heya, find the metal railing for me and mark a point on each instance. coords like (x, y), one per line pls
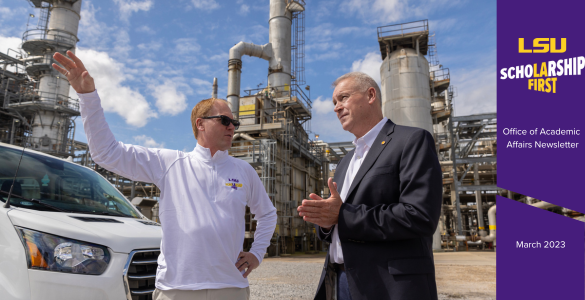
(60, 146)
(293, 90)
(441, 74)
(59, 36)
(402, 29)
(45, 99)
(254, 150)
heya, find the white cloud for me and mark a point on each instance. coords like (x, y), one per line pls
(205, 4)
(220, 57)
(10, 42)
(244, 9)
(329, 129)
(145, 29)
(376, 11)
(442, 25)
(122, 45)
(147, 141)
(13, 20)
(327, 31)
(323, 106)
(109, 76)
(93, 33)
(476, 90)
(169, 100)
(152, 46)
(381, 12)
(127, 7)
(186, 45)
(203, 87)
(324, 8)
(201, 82)
(369, 65)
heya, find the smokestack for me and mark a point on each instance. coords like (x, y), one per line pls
(277, 52)
(214, 93)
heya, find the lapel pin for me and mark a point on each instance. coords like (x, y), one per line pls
(383, 142)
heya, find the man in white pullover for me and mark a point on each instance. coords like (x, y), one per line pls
(203, 199)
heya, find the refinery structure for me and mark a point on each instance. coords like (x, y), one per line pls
(37, 112)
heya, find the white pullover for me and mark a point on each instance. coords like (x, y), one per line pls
(202, 204)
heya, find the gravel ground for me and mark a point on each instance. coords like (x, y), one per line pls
(297, 277)
(285, 279)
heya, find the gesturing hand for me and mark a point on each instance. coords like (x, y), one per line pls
(75, 72)
(323, 212)
(247, 261)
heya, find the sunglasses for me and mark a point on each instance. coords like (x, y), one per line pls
(225, 121)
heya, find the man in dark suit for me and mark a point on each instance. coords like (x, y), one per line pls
(384, 206)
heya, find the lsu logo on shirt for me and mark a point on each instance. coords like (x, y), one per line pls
(233, 183)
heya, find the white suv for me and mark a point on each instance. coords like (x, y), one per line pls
(69, 234)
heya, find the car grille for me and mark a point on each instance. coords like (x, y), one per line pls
(140, 274)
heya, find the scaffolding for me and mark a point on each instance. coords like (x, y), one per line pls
(274, 139)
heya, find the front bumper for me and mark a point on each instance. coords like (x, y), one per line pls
(47, 285)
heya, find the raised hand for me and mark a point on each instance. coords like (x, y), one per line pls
(75, 72)
(323, 212)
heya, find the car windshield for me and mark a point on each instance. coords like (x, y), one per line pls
(51, 184)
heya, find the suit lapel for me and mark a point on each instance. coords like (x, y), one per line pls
(378, 146)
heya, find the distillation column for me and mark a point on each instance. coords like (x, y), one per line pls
(52, 121)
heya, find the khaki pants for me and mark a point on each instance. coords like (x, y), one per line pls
(210, 294)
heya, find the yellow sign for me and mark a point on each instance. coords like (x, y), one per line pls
(249, 109)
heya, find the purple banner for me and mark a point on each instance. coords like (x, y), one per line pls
(541, 255)
(541, 103)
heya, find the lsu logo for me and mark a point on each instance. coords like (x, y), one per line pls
(543, 46)
(233, 183)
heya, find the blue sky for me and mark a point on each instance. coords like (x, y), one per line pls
(154, 60)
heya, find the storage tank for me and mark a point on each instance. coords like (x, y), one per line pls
(406, 83)
(406, 97)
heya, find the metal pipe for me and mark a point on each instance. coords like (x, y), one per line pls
(474, 243)
(244, 136)
(247, 137)
(279, 36)
(480, 221)
(543, 205)
(12, 131)
(214, 93)
(235, 68)
(132, 190)
(492, 221)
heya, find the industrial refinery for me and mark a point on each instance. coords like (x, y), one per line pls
(37, 112)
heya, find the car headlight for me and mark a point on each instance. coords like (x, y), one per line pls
(54, 253)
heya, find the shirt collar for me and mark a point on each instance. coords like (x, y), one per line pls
(369, 138)
(204, 154)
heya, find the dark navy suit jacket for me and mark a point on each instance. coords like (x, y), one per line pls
(387, 222)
